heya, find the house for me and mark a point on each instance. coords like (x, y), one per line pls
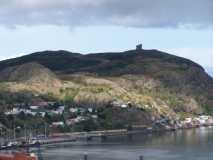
(43, 104)
(187, 120)
(55, 112)
(61, 109)
(51, 103)
(90, 110)
(79, 119)
(124, 106)
(73, 121)
(210, 121)
(14, 111)
(30, 112)
(203, 119)
(34, 107)
(42, 114)
(94, 116)
(56, 124)
(73, 110)
(116, 103)
(161, 121)
(70, 122)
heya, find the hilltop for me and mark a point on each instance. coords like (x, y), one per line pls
(157, 82)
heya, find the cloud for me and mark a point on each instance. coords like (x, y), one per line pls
(129, 13)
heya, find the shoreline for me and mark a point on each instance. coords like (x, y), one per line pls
(88, 136)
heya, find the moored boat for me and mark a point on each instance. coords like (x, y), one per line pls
(17, 156)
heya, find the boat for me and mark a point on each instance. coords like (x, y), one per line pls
(17, 156)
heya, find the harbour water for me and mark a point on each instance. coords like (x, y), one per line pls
(193, 144)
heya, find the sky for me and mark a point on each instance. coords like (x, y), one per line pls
(180, 27)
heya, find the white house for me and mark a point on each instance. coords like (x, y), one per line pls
(55, 112)
(61, 109)
(188, 120)
(124, 106)
(34, 107)
(60, 123)
(90, 110)
(94, 116)
(79, 119)
(203, 119)
(14, 111)
(70, 121)
(73, 110)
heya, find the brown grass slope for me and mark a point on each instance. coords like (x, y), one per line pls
(30, 76)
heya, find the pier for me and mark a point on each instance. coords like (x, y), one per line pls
(57, 138)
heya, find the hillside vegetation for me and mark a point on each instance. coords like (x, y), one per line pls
(156, 82)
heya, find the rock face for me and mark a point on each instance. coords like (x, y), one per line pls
(153, 80)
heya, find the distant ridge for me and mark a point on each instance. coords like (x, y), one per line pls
(67, 62)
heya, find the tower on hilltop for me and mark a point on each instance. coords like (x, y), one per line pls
(139, 47)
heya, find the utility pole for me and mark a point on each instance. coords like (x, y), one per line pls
(141, 158)
(85, 157)
(14, 133)
(45, 130)
(14, 129)
(25, 132)
(30, 133)
(1, 137)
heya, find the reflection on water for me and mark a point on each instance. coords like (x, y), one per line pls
(194, 144)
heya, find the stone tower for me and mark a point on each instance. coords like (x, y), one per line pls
(139, 47)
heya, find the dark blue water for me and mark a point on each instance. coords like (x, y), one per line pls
(194, 144)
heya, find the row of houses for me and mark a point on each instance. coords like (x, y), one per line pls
(189, 122)
(201, 120)
(32, 112)
(35, 110)
(73, 121)
(80, 114)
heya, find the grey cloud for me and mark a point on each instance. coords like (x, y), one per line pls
(130, 13)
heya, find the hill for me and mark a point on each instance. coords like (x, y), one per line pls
(158, 82)
(29, 76)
